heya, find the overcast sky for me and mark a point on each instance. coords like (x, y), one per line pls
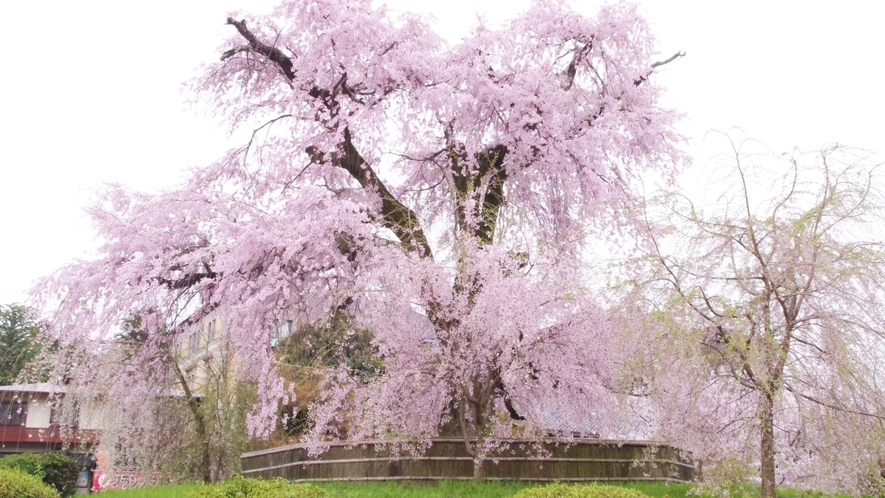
(90, 93)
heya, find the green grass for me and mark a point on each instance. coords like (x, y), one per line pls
(460, 489)
(443, 489)
(176, 491)
(661, 490)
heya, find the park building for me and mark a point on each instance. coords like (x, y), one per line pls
(200, 352)
(33, 418)
(206, 353)
(44, 416)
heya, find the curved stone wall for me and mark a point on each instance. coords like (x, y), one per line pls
(550, 460)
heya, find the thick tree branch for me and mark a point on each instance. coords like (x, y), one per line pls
(462, 420)
(492, 163)
(396, 216)
(508, 404)
(193, 404)
(187, 281)
(255, 45)
(401, 220)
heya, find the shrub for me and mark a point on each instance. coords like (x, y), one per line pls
(53, 468)
(61, 472)
(29, 463)
(560, 490)
(17, 484)
(241, 487)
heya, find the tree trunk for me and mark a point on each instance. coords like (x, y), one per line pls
(479, 469)
(193, 404)
(475, 450)
(205, 464)
(205, 453)
(767, 441)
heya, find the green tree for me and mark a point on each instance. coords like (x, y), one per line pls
(310, 353)
(203, 423)
(19, 328)
(336, 343)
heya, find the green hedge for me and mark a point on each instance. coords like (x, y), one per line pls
(241, 487)
(17, 484)
(53, 468)
(559, 490)
(29, 463)
(61, 472)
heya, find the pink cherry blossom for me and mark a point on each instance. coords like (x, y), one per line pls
(442, 196)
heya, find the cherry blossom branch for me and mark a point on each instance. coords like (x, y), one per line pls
(831, 405)
(255, 45)
(492, 164)
(671, 59)
(401, 220)
(655, 65)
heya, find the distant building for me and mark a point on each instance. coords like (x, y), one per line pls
(203, 353)
(206, 351)
(33, 419)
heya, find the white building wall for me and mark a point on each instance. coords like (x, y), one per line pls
(90, 418)
(39, 411)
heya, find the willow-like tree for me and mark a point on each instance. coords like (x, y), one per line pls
(441, 196)
(775, 291)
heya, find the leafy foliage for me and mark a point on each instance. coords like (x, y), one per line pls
(241, 487)
(29, 463)
(53, 468)
(560, 490)
(335, 344)
(61, 472)
(18, 329)
(311, 354)
(17, 484)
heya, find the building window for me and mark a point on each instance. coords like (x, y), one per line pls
(65, 415)
(190, 377)
(193, 342)
(283, 330)
(210, 332)
(13, 412)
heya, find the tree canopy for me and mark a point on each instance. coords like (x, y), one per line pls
(442, 197)
(771, 339)
(19, 326)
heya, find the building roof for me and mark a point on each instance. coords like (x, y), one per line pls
(39, 387)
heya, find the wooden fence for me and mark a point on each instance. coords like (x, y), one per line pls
(524, 460)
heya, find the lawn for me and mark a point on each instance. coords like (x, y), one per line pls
(445, 489)
(490, 489)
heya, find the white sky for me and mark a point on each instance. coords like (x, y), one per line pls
(90, 93)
